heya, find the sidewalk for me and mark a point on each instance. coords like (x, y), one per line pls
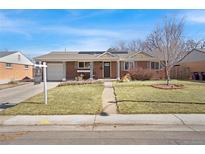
(113, 119)
(108, 99)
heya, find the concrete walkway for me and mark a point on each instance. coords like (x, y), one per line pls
(15, 95)
(113, 119)
(108, 99)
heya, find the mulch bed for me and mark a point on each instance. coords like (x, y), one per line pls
(170, 86)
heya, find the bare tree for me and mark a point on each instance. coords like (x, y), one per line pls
(136, 45)
(121, 46)
(168, 41)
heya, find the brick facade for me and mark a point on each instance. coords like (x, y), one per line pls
(142, 64)
(113, 70)
(195, 66)
(16, 72)
(71, 70)
(97, 70)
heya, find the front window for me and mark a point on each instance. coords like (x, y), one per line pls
(84, 65)
(8, 65)
(128, 65)
(155, 65)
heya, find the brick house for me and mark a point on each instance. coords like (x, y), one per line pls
(14, 66)
(95, 65)
(195, 63)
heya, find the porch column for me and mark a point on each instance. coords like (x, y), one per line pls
(91, 70)
(64, 71)
(118, 70)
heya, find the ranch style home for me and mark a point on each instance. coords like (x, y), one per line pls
(14, 66)
(94, 65)
(64, 66)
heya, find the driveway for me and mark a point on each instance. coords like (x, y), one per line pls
(11, 96)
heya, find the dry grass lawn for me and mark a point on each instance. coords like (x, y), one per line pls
(71, 99)
(140, 97)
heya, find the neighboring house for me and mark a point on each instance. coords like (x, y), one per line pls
(195, 62)
(14, 66)
(94, 65)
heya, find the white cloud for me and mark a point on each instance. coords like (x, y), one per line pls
(195, 16)
(13, 25)
(79, 31)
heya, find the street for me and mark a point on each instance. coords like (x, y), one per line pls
(108, 135)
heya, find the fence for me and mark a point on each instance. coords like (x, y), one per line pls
(180, 72)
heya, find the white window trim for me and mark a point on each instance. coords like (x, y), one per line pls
(8, 66)
(129, 65)
(84, 65)
(155, 65)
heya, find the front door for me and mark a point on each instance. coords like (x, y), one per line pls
(106, 69)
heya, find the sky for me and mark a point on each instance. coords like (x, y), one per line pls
(36, 32)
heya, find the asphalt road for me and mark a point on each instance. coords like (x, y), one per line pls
(62, 136)
(12, 96)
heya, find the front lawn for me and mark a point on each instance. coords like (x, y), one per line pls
(140, 97)
(70, 99)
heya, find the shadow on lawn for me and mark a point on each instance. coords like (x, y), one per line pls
(162, 102)
(38, 103)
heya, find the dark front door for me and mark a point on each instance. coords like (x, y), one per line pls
(106, 69)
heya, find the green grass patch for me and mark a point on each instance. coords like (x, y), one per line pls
(140, 97)
(71, 99)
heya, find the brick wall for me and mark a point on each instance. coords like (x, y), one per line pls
(98, 70)
(142, 64)
(195, 66)
(16, 72)
(113, 70)
(71, 70)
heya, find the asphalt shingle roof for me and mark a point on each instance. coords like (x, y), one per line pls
(6, 53)
(84, 55)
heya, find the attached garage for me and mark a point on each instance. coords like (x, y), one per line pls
(55, 71)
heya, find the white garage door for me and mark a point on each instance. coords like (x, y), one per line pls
(55, 71)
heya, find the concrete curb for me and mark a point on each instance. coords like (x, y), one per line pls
(114, 119)
(138, 119)
(50, 120)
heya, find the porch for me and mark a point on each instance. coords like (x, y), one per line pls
(79, 70)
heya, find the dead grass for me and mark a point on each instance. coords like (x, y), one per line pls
(140, 97)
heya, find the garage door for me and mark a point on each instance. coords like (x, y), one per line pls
(55, 71)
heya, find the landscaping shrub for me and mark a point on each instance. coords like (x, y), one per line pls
(80, 82)
(13, 82)
(141, 74)
(126, 77)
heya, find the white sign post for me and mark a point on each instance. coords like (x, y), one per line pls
(44, 66)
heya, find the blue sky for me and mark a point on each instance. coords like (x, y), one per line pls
(37, 32)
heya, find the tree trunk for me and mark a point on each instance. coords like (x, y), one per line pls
(167, 75)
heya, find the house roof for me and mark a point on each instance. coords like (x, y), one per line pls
(6, 53)
(89, 55)
(194, 55)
